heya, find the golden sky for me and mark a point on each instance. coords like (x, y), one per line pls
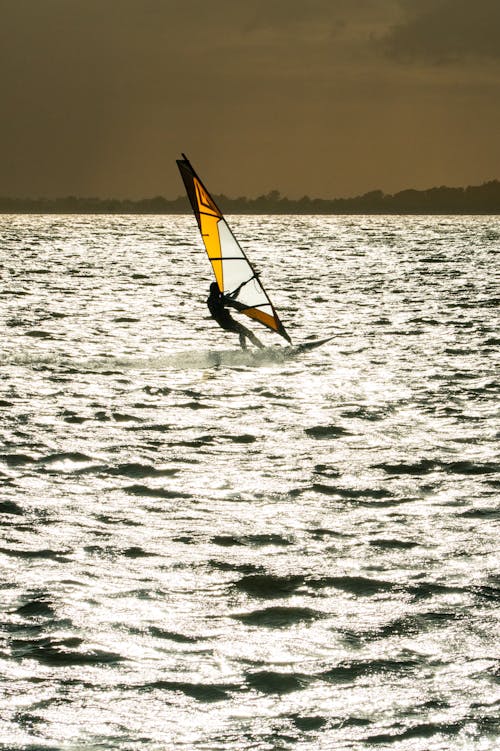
(327, 98)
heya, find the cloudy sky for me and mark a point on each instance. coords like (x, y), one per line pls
(320, 97)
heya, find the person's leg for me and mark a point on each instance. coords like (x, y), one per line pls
(250, 335)
(254, 339)
(243, 343)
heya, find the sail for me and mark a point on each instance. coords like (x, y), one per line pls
(235, 275)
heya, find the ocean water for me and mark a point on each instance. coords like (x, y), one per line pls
(206, 549)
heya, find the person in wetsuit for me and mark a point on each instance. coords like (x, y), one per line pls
(218, 311)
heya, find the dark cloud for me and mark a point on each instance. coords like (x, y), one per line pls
(446, 31)
(285, 14)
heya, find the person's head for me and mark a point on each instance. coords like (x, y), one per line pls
(214, 288)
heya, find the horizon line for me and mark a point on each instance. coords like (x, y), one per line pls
(274, 195)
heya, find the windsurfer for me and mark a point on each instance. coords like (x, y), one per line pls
(218, 311)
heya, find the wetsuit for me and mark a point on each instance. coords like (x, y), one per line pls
(219, 313)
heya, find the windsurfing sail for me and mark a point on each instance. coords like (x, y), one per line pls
(235, 275)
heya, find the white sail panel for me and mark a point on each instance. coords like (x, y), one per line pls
(235, 267)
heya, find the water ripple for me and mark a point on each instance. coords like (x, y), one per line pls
(204, 548)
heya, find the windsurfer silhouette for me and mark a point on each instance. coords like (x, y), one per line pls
(218, 311)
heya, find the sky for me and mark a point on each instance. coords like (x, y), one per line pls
(326, 98)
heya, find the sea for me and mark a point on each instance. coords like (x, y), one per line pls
(206, 549)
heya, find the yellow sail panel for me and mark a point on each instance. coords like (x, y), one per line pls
(211, 240)
(209, 216)
(262, 317)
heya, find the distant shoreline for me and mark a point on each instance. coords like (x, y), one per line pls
(481, 199)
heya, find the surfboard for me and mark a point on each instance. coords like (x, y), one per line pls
(279, 353)
(306, 346)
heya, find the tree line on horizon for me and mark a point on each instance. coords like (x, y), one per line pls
(479, 199)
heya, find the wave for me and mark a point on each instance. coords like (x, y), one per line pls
(269, 586)
(351, 671)
(240, 568)
(425, 589)
(409, 625)
(10, 508)
(39, 334)
(424, 730)
(422, 467)
(43, 554)
(256, 540)
(325, 432)
(160, 633)
(492, 513)
(137, 552)
(427, 466)
(271, 682)
(278, 617)
(62, 456)
(308, 722)
(203, 692)
(319, 533)
(393, 544)
(356, 585)
(36, 606)
(61, 652)
(147, 492)
(471, 468)
(327, 470)
(380, 496)
(17, 460)
(365, 413)
(241, 438)
(138, 470)
(487, 592)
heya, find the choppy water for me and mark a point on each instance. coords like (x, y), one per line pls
(205, 550)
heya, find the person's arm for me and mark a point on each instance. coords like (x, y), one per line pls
(234, 294)
(230, 302)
